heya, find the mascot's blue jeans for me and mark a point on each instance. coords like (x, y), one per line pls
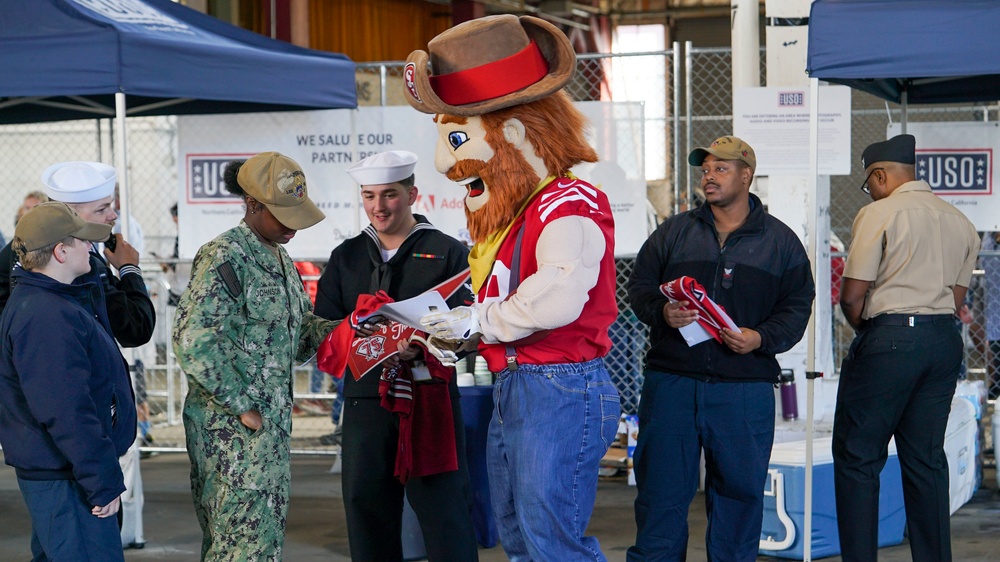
(734, 424)
(551, 426)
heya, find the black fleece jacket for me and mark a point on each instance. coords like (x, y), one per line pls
(762, 277)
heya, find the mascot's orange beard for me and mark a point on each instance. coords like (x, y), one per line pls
(510, 180)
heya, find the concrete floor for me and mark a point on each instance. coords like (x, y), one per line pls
(316, 530)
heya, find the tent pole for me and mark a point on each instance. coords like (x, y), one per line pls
(97, 127)
(677, 129)
(811, 330)
(902, 99)
(688, 110)
(121, 149)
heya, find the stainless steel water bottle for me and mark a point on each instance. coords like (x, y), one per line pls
(789, 402)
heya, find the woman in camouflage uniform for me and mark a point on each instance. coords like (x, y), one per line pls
(241, 324)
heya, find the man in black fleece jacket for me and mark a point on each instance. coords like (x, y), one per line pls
(716, 396)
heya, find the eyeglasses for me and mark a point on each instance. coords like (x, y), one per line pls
(864, 186)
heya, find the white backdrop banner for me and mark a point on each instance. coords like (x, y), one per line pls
(957, 160)
(775, 122)
(325, 143)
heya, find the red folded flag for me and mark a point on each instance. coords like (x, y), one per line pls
(340, 349)
(710, 315)
(335, 351)
(368, 353)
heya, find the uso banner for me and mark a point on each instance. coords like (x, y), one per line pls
(325, 143)
(957, 160)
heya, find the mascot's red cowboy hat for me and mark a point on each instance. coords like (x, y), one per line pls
(487, 64)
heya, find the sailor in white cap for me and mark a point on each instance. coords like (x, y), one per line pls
(89, 189)
(404, 255)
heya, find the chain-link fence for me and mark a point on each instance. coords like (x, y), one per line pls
(692, 107)
(708, 114)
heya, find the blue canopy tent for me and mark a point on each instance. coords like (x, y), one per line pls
(76, 59)
(904, 51)
(908, 51)
(67, 59)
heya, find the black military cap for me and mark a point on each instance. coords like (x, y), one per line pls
(900, 148)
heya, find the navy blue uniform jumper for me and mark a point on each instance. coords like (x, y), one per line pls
(373, 498)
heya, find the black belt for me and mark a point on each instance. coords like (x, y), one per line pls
(909, 319)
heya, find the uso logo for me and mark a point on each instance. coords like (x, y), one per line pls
(205, 177)
(965, 170)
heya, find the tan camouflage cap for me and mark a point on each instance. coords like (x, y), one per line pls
(277, 181)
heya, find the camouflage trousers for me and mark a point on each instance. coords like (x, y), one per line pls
(238, 524)
(240, 486)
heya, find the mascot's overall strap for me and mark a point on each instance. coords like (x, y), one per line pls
(515, 280)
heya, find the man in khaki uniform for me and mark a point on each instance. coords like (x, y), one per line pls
(907, 272)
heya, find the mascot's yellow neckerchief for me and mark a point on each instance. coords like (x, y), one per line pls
(484, 253)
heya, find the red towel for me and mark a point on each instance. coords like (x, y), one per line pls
(426, 425)
(331, 357)
(710, 315)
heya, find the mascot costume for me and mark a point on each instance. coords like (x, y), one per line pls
(542, 266)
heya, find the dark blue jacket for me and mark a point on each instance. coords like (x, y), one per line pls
(762, 277)
(67, 410)
(126, 300)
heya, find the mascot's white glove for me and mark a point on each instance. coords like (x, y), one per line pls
(442, 351)
(446, 352)
(457, 324)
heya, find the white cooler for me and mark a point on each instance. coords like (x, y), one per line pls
(961, 447)
(996, 439)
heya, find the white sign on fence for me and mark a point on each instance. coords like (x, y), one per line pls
(775, 122)
(957, 160)
(326, 143)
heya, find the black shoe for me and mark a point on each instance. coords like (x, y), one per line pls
(135, 545)
(329, 439)
(146, 441)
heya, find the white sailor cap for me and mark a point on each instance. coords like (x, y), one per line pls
(383, 168)
(79, 182)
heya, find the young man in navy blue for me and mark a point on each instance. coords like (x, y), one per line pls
(67, 411)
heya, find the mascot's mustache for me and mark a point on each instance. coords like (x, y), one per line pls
(465, 170)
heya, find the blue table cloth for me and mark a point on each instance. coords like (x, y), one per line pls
(477, 410)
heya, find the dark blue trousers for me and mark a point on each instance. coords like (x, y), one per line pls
(678, 418)
(895, 381)
(62, 526)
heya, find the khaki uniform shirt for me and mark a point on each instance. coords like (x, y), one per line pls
(914, 247)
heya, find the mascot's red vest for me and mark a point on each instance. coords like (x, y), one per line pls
(586, 337)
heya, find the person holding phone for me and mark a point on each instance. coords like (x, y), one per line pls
(89, 189)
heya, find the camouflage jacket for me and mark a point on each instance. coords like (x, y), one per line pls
(238, 350)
